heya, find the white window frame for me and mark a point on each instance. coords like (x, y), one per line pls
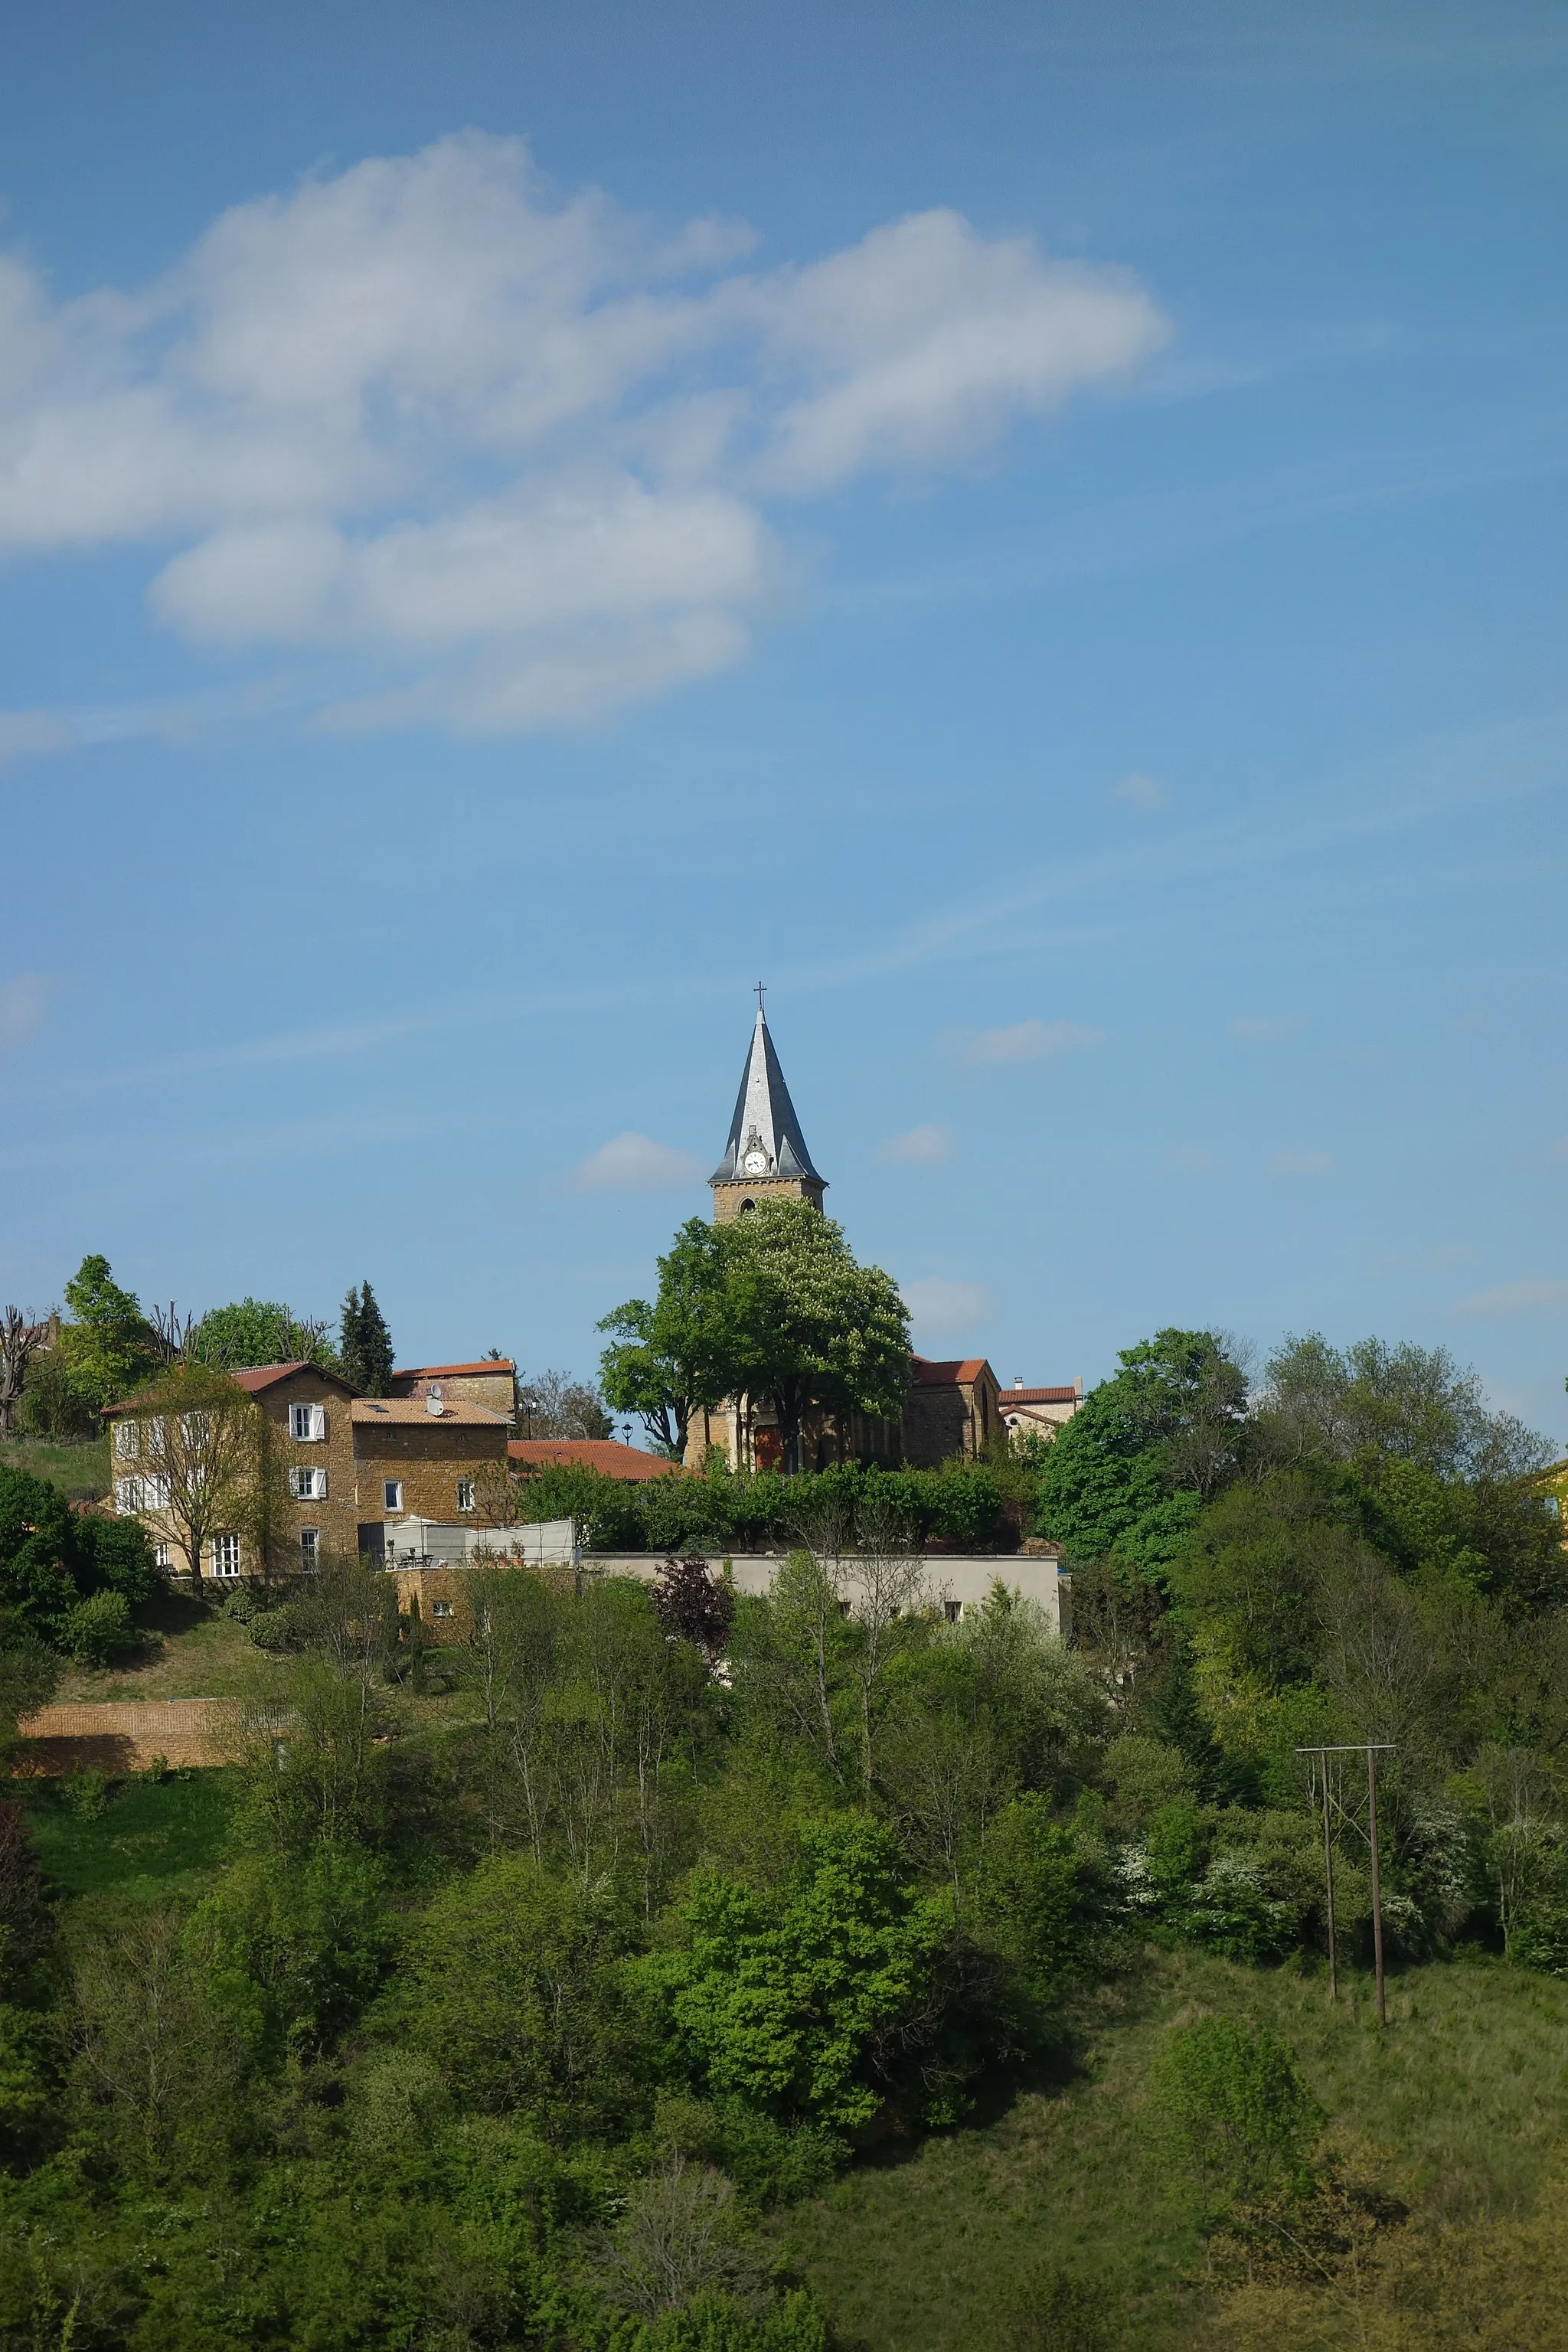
(392, 1494)
(127, 1440)
(466, 1495)
(308, 1424)
(223, 1550)
(440, 1609)
(164, 1555)
(310, 1548)
(308, 1486)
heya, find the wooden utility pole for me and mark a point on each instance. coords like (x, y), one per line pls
(1329, 1881)
(1376, 1880)
(1372, 1749)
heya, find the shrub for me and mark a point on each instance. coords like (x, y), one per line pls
(97, 1629)
(242, 1606)
(85, 1794)
(1236, 2110)
(115, 1554)
(274, 1629)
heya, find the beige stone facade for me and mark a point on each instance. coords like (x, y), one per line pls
(410, 1462)
(736, 1200)
(1039, 1412)
(492, 1382)
(952, 1412)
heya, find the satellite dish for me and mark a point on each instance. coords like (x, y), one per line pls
(433, 1401)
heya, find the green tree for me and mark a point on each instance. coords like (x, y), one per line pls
(1146, 1451)
(1251, 1571)
(153, 2048)
(304, 1943)
(38, 1554)
(809, 1324)
(796, 2005)
(258, 1331)
(108, 1346)
(514, 1985)
(670, 1359)
(364, 1344)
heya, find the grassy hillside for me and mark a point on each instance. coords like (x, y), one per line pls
(80, 1471)
(1459, 2110)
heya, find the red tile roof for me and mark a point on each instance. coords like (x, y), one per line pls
(254, 1377)
(453, 1371)
(1040, 1396)
(605, 1455)
(945, 1373)
(257, 1377)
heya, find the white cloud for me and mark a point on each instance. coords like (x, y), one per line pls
(636, 1163)
(1260, 1027)
(1528, 1297)
(22, 1003)
(511, 450)
(1024, 1040)
(939, 1310)
(25, 734)
(1300, 1163)
(921, 1144)
(1141, 791)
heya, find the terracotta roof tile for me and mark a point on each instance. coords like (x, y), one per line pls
(605, 1455)
(1040, 1396)
(453, 1371)
(945, 1371)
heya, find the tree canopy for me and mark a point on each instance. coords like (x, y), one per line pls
(260, 1331)
(774, 1306)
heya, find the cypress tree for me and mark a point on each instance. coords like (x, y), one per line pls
(350, 1341)
(375, 1346)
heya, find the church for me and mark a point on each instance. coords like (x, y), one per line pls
(954, 1406)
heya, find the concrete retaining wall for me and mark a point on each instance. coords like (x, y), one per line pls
(954, 1582)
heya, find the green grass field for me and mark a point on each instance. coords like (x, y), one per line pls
(154, 1832)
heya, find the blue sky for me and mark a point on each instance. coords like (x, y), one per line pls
(1036, 531)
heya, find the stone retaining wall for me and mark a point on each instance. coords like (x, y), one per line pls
(124, 1736)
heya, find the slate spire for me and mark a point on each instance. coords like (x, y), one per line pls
(765, 1130)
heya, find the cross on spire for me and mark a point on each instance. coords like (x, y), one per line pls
(761, 994)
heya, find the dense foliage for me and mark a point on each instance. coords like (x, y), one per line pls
(68, 1578)
(539, 1968)
(774, 1306)
(965, 1507)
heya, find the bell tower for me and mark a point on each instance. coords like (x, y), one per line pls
(765, 1156)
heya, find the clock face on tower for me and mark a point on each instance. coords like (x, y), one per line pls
(755, 1163)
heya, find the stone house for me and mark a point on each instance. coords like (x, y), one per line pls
(1039, 1412)
(355, 1466)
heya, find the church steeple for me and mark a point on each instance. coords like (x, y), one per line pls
(766, 1153)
